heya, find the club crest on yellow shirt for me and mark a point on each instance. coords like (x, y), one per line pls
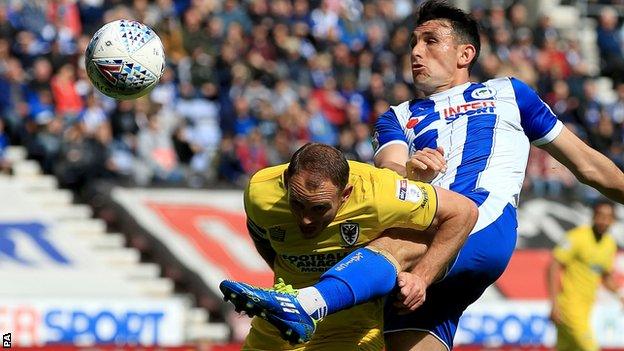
(350, 232)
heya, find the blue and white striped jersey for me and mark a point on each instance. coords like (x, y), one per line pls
(485, 130)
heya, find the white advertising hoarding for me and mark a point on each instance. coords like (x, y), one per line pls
(498, 323)
(90, 321)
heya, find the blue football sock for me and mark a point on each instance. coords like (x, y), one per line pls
(360, 277)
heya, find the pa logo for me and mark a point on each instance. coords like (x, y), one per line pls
(350, 233)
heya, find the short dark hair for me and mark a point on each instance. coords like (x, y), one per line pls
(602, 202)
(465, 27)
(322, 160)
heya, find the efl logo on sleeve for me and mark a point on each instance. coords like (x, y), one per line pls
(401, 189)
(407, 191)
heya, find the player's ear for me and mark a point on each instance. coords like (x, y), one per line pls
(466, 54)
(346, 192)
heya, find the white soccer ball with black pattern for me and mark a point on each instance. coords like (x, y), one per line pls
(125, 59)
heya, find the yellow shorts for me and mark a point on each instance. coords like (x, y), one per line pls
(577, 337)
(263, 336)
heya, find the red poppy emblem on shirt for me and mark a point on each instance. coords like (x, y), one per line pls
(412, 122)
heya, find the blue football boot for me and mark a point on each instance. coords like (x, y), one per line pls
(278, 306)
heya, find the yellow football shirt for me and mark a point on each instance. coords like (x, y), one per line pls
(585, 261)
(380, 199)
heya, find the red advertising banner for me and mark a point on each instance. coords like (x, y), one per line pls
(212, 230)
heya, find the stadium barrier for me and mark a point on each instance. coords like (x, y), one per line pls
(67, 281)
(198, 237)
(512, 322)
(91, 321)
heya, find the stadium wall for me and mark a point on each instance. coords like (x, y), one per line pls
(66, 281)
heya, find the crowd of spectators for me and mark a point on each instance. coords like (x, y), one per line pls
(249, 81)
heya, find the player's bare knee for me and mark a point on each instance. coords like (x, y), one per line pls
(405, 246)
(384, 243)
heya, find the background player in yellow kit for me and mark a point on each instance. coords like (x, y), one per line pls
(584, 259)
(306, 216)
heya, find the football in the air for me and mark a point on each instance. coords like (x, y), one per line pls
(125, 59)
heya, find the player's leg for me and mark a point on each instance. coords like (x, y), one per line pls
(405, 246)
(414, 340)
(478, 265)
(585, 337)
(263, 336)
(565, 340)
(576, 335)
(365, 274)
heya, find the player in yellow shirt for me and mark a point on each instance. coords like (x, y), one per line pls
(580, 264)
(310, 214)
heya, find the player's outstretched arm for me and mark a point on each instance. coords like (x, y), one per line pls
(393, 157)
(426, 164)
(423, 166)
(455, 218)
(588, 165)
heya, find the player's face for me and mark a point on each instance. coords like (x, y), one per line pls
(436, 57)
(314, 207)
(603, 218)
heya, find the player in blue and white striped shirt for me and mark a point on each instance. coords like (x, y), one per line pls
(472, 138)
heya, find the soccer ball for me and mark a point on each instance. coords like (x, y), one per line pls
(125, 59)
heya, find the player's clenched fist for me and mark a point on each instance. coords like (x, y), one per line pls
(426, 164)
(412, 292)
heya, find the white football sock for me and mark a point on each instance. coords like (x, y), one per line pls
(312, 302)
